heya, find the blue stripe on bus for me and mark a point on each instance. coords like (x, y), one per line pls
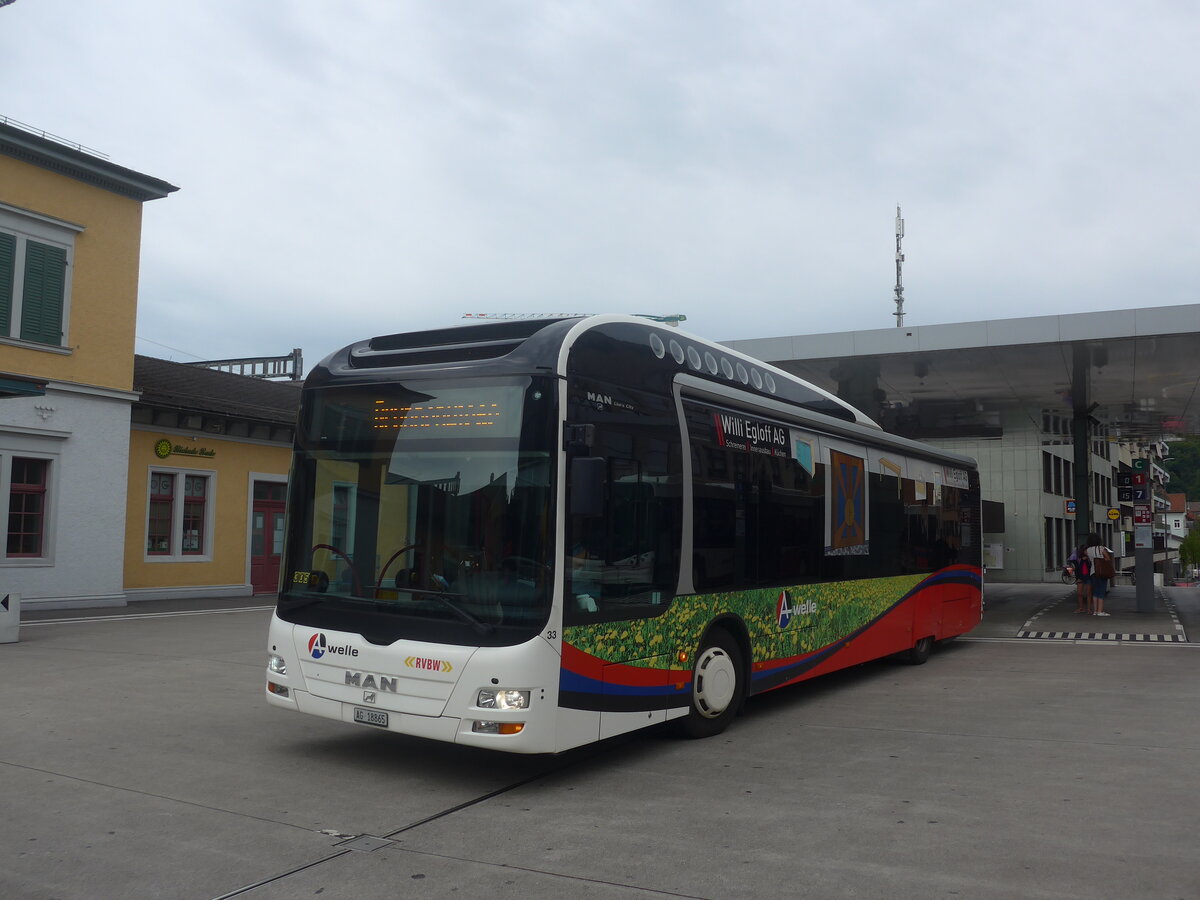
(580, 684)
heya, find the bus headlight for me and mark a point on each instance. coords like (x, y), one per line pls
(276, 664)
(502, 699)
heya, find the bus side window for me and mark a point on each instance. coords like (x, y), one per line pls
(625, 563)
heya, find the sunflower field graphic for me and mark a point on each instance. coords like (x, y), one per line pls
(834, 610)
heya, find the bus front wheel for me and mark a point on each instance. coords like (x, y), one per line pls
(718, 684)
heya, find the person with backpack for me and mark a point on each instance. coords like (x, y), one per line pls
(1100, 569)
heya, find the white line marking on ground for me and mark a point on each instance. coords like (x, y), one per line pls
(165, 615)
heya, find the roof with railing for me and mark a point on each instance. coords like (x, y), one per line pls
(73, 160)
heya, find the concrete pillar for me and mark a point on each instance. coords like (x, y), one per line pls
(1081, 438)
(1143, 567)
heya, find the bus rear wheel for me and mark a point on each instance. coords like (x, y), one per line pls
(718, 685)
(919, 653)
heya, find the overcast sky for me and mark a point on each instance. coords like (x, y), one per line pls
(356, 168)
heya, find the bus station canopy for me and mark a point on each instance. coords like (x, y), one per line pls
(1138, 370)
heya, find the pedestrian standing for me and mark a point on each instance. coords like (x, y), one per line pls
(1083, 579)
(1101, 569)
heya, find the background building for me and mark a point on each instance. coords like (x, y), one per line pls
(209, 453)
(1069, 417)
(70, 237)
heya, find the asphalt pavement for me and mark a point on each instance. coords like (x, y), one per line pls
(1047, 754)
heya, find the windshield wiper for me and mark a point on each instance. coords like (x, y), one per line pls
(448, 600)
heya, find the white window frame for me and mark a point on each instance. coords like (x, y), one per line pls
(49, 509)
(25, 226)
(177, 503)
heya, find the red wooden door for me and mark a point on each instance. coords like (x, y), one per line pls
(266, 536)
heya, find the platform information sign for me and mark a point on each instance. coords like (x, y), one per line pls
(1143, 537)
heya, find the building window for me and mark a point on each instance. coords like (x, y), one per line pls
(178, 525)
(162, 503)
(1048, 542)
(271, 491)
(27, 508)
(342, 527)
(35, 277)
(193, 513)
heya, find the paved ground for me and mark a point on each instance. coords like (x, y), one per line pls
(137, 759)
(1047, 612)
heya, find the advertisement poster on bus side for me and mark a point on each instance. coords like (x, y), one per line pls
(847, 506)
(751, 435)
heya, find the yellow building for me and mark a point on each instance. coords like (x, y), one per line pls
(70, 241)
(208, 462)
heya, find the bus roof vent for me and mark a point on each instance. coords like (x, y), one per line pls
(459, 344)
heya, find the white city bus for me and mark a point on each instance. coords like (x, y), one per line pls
(530, 535)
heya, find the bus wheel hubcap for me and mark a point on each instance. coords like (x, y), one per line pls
(715, 682)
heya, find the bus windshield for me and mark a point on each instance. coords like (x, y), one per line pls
(423, 503)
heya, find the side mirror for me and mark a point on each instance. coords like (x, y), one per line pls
(588, 475)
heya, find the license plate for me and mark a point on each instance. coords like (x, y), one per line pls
(370, 717)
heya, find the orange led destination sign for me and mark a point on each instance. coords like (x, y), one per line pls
(448, 415)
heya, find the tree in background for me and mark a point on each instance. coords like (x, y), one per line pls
(1189, 550)
(1184, 466)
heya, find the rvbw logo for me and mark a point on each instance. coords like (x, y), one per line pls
(318, 646)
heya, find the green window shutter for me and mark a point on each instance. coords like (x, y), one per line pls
(42, 299)
(8, 257)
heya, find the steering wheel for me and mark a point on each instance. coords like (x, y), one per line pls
(349, 563)
(391, 559)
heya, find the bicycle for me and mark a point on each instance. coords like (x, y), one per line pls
(1068, 574)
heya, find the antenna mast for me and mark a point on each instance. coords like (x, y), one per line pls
(899, 313)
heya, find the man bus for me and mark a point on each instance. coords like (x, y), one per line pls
(531, 535)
